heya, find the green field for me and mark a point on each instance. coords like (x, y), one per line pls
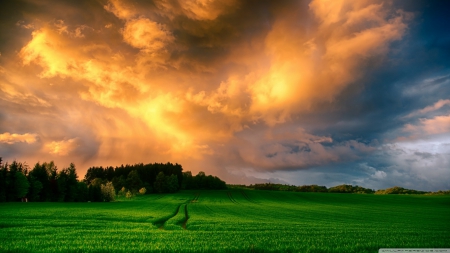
(229, 221)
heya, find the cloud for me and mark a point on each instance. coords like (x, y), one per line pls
(289, 149)
(120, 9)
(223, 86)
(16, 95)
(298, 74)
(428, 86)
(431, 108)
(9, 138)
(418, 164)
(435, 125)
(62, 148)
(198, 10)
(146, 35)
(438, 105)
(379, 174)
(304, 69)
(206, 9)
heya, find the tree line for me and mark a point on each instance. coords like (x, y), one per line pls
(155, 178)
(45, 182)
(41, 183)
(344, 188)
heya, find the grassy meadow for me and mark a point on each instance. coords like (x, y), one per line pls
(229, 221)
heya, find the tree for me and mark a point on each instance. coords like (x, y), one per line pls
(187, 180)
(109, 173)
(21, 185)
(52, 187)
(61, 182)
(119, 183)
(95, 191)
(94, 172)
(134, 182)
(148, 188)
(16, 182)
(172, 183)
(82, 192)
(199, 180)
(142, 190)
(97, 182)
(35, 188)
(160, 184)
(71, 183)
(39, 174)
(3, 174)
(108, 192)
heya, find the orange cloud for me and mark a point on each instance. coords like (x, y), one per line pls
(61, 148)
(312, 68)
(205, 9)
(438, 105)
(120, 9)
(436, 125)
(301, 69)
(145, 34)
(179, 80)
(9, 138)
(427, 127)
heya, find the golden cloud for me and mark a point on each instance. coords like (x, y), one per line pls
(61, 148)
(120, 9)
(175, 81)
(145, 34)
(9, 138)
(206, 9)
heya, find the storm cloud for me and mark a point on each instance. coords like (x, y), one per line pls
(335, 91)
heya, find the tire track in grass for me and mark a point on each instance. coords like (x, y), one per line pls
(247, 197)
(186, 215)
(178, 221)
(195, 198)
(230, 196)
(160, 222)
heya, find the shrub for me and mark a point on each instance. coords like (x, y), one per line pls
(122, 192)
(129, 195)
(108, 192)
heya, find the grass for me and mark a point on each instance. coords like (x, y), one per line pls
(229, 221)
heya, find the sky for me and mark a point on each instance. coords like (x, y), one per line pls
(294, 92)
